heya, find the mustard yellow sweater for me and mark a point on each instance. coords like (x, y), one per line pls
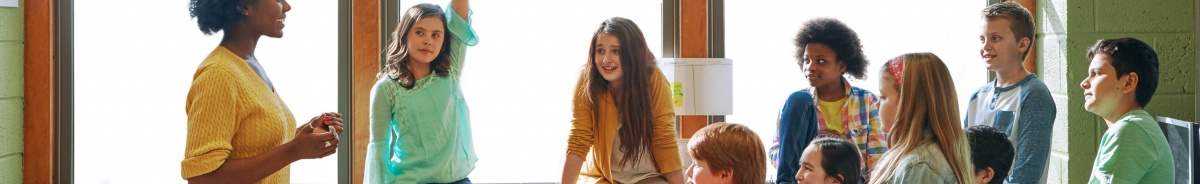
(232, 114)
(595, 145)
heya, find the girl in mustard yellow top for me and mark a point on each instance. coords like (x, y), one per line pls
(624, 125)
(239, 130)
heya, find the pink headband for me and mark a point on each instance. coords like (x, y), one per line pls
(896, 67)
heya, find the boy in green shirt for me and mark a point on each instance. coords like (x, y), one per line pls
(1122, 78)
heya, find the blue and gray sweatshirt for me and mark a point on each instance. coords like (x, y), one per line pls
(1025, 112)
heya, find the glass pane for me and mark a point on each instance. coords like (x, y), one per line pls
(527, 63)
(760, 33)
(134, 64)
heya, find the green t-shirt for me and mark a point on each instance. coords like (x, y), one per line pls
(1134, 150)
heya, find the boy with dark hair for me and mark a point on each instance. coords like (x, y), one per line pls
(991, 153)
(1017, 103)
(1122, 78)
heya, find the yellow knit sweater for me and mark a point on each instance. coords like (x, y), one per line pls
(595, 146)
(232, 114)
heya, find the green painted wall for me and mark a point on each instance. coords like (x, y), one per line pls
(1067, 28)
(1053, 56)
(12, 89)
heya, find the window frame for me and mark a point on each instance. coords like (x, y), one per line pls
(63, 129)
(64, 95)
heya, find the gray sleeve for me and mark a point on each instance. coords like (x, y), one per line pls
(970, 108)
(1035, 122)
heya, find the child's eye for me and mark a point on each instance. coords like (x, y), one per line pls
(994, 38)
(821, 61)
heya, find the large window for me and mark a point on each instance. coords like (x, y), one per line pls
(134, 63)
(519, 80)
(760, 33)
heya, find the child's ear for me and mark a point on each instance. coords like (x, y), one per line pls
(726, 176)
(839, 179)
(1130, 84)
(1024, 44)
(987, 174)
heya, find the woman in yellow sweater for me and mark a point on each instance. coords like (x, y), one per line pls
(239, 130)
(624, 122)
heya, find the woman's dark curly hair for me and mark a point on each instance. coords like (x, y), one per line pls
(217, 15)
(839, 37)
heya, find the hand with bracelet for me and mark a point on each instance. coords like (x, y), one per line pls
(319, 137)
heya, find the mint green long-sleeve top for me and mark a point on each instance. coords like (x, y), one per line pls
(423, 134)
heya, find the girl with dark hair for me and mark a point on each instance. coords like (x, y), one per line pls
(624, 122)
(829, 53)
(239, 129)
(420, 123)
(829, 160)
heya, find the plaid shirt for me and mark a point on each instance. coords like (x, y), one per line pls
(860, 122)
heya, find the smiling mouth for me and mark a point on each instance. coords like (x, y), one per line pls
(609, 68)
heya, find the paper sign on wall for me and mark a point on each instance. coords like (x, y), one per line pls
(8, 3)
(677, 93)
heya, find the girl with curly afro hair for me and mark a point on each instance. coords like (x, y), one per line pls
(828, 53)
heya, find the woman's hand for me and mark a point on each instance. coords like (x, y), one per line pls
(327, 121)
(310, 144)
(307, 144)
